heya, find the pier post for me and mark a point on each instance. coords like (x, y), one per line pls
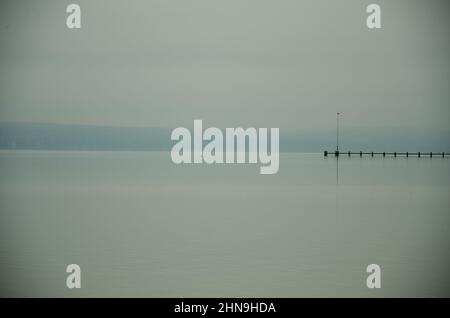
(337, 134)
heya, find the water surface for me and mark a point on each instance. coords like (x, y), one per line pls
(139, 225)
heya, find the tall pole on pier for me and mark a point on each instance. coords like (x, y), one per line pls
(337, 133)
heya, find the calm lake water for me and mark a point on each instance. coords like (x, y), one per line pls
(139, 225)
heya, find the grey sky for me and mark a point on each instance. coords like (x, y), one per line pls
(288, 64)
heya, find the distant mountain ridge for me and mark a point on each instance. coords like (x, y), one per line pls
(82, 137)
(48, 136)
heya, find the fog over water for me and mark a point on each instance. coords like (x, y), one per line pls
(86, 175)
(256, 63)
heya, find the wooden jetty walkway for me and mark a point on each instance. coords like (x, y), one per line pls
(390, 154)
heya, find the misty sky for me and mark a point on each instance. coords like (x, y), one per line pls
(290, 64)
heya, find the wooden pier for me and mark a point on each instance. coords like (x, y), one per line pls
(387, 154)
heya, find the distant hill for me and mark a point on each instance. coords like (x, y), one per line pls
(92, 137)
(82, 137)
